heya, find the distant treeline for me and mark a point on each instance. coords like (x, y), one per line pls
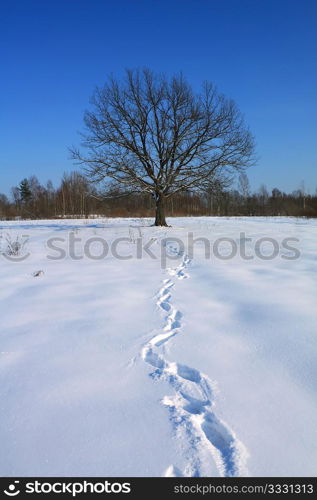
(76, 197)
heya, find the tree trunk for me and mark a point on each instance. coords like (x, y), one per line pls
(160, 211)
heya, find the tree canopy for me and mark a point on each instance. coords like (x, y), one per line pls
(154, 134)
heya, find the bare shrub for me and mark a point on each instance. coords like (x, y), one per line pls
(14, 245)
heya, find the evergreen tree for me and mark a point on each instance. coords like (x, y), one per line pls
(25, 191)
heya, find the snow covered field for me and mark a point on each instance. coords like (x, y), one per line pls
(120, 365)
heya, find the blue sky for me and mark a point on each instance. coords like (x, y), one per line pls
(261, 53)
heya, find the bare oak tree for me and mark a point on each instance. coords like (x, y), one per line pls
(153, 134)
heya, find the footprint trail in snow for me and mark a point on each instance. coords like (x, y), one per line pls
(208, 441)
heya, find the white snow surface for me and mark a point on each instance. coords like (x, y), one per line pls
(124, 367)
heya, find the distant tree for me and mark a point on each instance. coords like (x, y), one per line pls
(3, 199)
(263, 198)
(244, 185)
(303, 193)
(50, 188)
(213, 192)
(276, 193)
(15, 192)
(25, 191)
(276, 201)
(297, 193)
(4, 205)
(74, 191)
(263, 192)
(154, 135)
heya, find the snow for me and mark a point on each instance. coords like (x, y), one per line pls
(121, 367)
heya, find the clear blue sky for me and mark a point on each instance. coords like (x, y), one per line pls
(262, 53)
